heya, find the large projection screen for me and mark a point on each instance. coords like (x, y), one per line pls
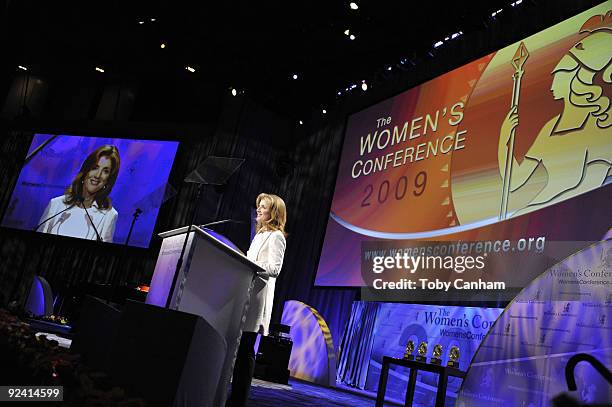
(123, 175)
(429, 168)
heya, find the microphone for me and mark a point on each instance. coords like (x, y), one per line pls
(38, 149)
(219, 222)
(98, 238)
(51, 217)
(64, 217)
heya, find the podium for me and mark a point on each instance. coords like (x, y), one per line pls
(214, 282)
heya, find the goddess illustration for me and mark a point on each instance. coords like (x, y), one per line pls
(574, 148)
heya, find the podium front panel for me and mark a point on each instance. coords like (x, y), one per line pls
(214, 282)
(165, 267)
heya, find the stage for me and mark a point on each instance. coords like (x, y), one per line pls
(300, 393)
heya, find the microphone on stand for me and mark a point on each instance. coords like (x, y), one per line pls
(82, 201)
(39, 148)
(51, 217)
(65, 216)
(219, 222)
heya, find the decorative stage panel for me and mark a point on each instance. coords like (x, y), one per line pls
(313, 357)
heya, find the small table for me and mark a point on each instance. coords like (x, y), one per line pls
(443, 371)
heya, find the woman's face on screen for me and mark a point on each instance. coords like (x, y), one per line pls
(97, 178)
(263, 211)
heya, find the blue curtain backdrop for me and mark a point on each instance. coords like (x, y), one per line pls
(356, 345)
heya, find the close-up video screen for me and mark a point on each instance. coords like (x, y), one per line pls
(92, 187)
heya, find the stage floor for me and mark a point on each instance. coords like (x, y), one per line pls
(299, 393)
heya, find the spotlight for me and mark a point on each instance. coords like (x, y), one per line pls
(23, 68)
(364, 86)
(353, 5)
(141, 22)
(339, 93)
(152, 20)
(347, 32)
(234, 92)
(295, 76)
(162, 45)
(438, 44)
(389, 68)
(99, 69)
(301, 122)
(190, 69)
(324, 111)
(352, 37)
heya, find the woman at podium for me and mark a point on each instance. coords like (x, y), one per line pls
(267, 250)
(66, 214)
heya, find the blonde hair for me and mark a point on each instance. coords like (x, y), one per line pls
(278, 214)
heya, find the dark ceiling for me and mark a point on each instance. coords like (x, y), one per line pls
(254, 46)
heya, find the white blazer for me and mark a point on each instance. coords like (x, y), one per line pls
(267, 250)
(75, 223)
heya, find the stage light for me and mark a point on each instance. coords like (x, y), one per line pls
(141, 22)
(364, 86)
(234, 92)
(516, 3)
(437, 44)
(301, 122)
(162, 45)
(339, 93)
(295, 76)
(23, 68)
(496, 12)
(347, 32)
(353, 6)
(324, 111)
(352, 37)
(152, 20)
(190, 69)
(389, 68)
(99, 69)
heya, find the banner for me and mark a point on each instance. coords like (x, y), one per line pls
(486, 152)
(396, 324)
(563, 314)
